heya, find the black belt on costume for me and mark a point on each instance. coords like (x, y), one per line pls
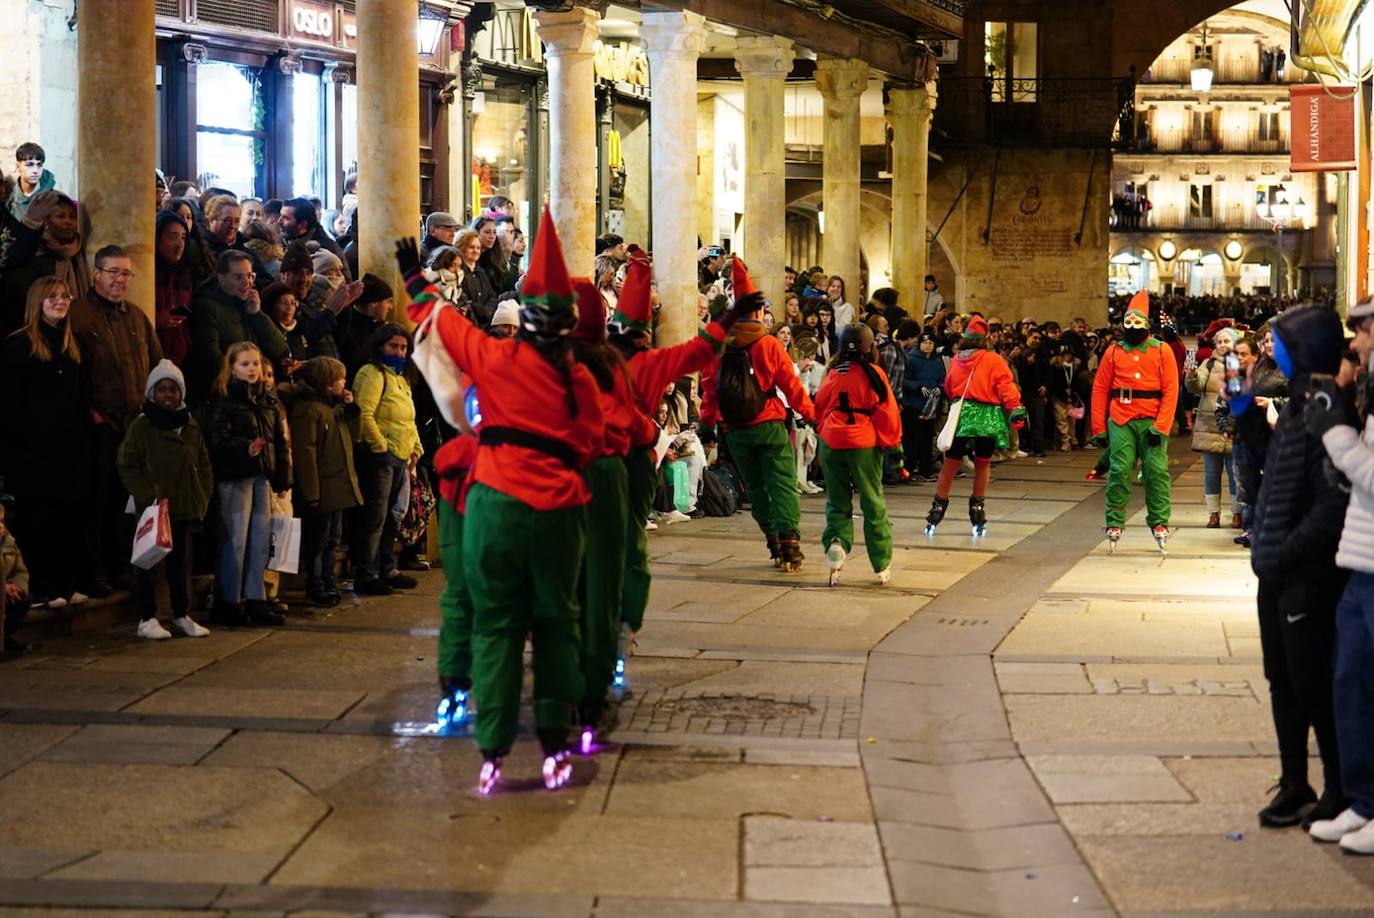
(1129, 395)
(511, 436)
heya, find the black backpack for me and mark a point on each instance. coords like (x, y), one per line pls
(718, 494)
(738, 393)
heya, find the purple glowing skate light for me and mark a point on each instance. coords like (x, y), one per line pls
(557, 771)
(486, 781)
(588, 740)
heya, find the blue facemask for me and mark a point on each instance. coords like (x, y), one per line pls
(396, 363)
(1281, 355)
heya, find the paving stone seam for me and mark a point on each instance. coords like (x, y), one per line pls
(1041, 560)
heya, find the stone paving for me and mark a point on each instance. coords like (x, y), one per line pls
(1022, 725)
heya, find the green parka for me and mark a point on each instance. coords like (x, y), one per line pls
(172, 462)
(321, 452)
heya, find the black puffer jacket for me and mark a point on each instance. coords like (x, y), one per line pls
(1301, 508)
(233, 421)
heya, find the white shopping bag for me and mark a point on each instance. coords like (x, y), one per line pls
(284, 554)
(152, 536)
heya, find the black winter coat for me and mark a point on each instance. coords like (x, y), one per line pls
(233, 421)
(45, 451)
(1301, 506)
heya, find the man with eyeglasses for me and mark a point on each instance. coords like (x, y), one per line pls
(30, 178)
(47, 242)
(228, 310)
(118, 348)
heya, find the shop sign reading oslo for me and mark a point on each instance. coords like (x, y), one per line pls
(312, 21)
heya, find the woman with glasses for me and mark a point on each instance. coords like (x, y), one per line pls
(45, 454)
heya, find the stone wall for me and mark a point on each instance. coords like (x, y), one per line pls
(1031, 263)
(38, 71)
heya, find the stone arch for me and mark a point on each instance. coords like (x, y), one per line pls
(1141, 31)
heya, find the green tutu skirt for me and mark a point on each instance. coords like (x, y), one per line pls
(979, 419)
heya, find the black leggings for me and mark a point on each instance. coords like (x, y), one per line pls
(1298, 639)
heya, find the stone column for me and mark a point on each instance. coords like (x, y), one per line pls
(909, 112)
(116, 138)
(568, 38)
(388, 132)
(673, 40)
(841, 82)
(764, 64)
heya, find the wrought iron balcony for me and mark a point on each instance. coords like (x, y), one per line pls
(1225, 70)
(1079, 112)
(1171, 218)
(1236, 142)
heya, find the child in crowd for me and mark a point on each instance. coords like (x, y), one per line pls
(279, 501)
(326, 483)
(163, 456)
(251, 458)
(14, 598)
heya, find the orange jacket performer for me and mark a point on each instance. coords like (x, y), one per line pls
(857, 419)
(1135, 394)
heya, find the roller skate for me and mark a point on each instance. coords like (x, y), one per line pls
(557, 770)
(453, 706)
(773, 551)
(1113, 536)
(1161, 534)
(490, 776)
(938, 506)
(885, 576)
(977, 517)
(590, 718)
(624, 651)
(834, 557)
(789, 547)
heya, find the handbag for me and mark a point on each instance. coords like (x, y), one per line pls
(284, 549)
(946, 438)
(152, 536)
(1076, 407)
(436, 365)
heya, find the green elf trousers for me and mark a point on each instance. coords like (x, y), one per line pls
(455, 603)
(847, 471)
(1127, 444)
(603, 574)
(522, 567)
(643, 483)
(764, 457)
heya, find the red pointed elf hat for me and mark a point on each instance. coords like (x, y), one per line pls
(634, 306)
(547, 281)
(740, 284)
(1140, 305)
(591, 311)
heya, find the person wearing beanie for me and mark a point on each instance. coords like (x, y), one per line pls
(505, 321)
(983, 400)
(603, 566)
(857, 420)
(542, 425)
(923, 393)
(1297, 555)
(1134, 397)
(164, 457)
(740, 392)
(651, 370)
(352, 328)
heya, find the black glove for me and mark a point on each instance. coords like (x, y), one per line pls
(407, 256)
(707, 434)
(1326, 408)
(1154, 437)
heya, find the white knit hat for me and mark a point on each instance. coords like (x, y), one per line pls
(507, 313)
(165, 369)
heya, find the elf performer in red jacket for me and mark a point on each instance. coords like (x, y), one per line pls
(739, 391)
(526, 522)
(982, 385)
(857, 420)
(651, 370)
(1135, 393)
(603, 566)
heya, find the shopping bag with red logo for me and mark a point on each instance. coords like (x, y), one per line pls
(153, 536)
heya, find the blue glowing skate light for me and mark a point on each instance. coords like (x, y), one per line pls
(471, 408)
(619, 679)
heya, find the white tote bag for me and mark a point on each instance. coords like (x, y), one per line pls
(284, 552)
(437, 367)
(946, 438)
(152, 536)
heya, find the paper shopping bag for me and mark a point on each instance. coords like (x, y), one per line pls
(152, 536)
(284, 554)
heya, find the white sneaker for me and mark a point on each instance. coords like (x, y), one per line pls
(813, 488)
(1334, 830)
(1360, 841)
(675, 516)
(187, 626)
(152, 630)
(77, 599)
(650, 526)
(1021, 454)
(57, 602)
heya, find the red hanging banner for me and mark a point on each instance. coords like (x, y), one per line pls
(1323, 124)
